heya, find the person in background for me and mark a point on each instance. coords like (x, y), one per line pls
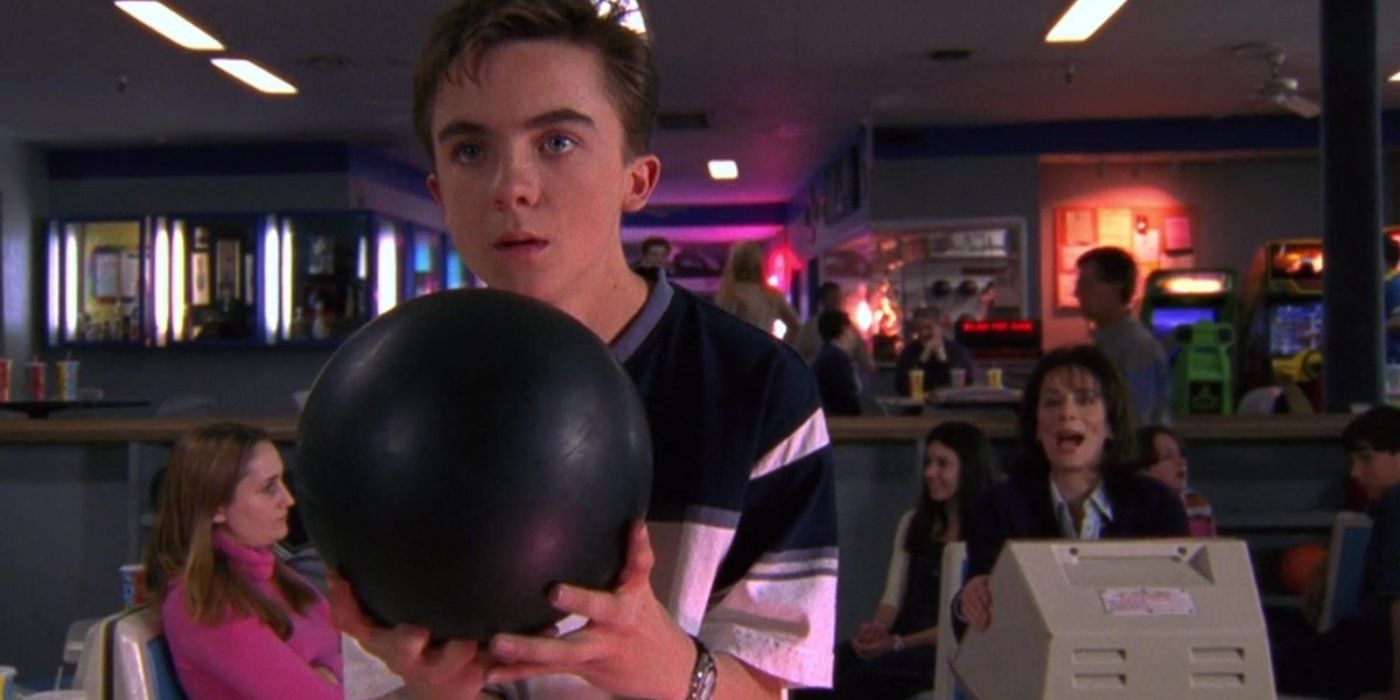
(808, 340)
(1358, 655)
(656, 254)
(834, 368)
(1105, 287)
(744, 293)
(240, 624)
(1164, 459)
(1075, 477)
(536, 116)
(930, 348)
(892, 656)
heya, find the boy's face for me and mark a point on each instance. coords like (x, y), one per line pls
(530, 172)
(1375, 471)
(656, 256)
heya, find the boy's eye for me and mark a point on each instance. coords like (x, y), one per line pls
(557, 143)
(467, 152)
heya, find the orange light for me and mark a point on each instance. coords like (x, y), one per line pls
(864, 317)
(1194, 285)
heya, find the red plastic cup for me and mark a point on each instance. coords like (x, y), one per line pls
(37, 373)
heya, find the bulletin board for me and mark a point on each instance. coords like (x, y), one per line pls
(1156, 236)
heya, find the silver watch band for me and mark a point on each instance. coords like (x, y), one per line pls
(704, 676)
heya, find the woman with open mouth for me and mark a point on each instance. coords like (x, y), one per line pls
(1075, 478)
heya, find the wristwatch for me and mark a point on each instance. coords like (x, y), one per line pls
(704, 676)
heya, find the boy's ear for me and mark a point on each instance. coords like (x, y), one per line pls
(643, 172)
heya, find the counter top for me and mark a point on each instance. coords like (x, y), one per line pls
(843, 429)
(119, 430)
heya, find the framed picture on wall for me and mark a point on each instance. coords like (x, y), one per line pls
(199, 278)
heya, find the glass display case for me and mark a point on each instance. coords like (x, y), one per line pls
(328, 287)
(235, 279)
(98, 281)
(215, 280)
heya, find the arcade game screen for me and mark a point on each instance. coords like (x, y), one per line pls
(1165, 320)
(1295, 327)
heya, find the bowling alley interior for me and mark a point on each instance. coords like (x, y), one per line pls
(187, 243)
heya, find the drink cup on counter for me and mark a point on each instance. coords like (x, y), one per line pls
(916, 383)
(5, 365)
(994, 377)
(133, 584)
(959, 377)
(37, 374)
(67, 380)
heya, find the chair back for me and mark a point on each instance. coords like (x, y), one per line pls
(951, 573)
(142, 668)
(94, 672)
(1346, 557)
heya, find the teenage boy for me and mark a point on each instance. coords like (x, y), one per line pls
(1105, 286)
(656, 253)
(1358, 654)
(537, 116)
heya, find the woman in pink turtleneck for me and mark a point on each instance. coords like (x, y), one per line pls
(240, 624)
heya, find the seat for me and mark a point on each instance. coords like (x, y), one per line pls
(142, 668)
(94, 663)
(954, 568)
(1346, 557)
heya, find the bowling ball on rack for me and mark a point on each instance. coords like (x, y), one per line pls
(464, 452)
(1299, 563)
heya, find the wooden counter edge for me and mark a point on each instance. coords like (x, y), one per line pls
(1290, 428)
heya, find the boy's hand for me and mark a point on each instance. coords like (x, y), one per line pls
(629, 647)
(453, 671)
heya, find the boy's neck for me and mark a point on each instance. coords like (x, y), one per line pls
(609, 304)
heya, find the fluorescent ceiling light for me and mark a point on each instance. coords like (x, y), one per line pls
(1082, 19)
(724, 170)
(169, 24)
(1395, 78)
(255, 75)
(630, 11)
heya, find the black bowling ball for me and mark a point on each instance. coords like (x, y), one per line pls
(464, 452)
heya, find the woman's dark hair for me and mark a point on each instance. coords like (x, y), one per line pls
(1147, 444)
(976, 473)
(1119, 449)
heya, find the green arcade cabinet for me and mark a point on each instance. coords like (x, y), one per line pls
(1193, 313)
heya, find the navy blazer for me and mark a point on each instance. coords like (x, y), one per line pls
(1020, 508)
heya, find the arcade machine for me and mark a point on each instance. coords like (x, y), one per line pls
(1284, 331)
(1192, 313)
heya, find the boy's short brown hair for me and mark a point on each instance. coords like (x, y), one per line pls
(472, 28)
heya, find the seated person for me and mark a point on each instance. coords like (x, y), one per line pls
(240, 624)
(1164, 459)
(834, 368)
(932, 350)
(1075, 479)
(1356, 657)
(892, 656)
